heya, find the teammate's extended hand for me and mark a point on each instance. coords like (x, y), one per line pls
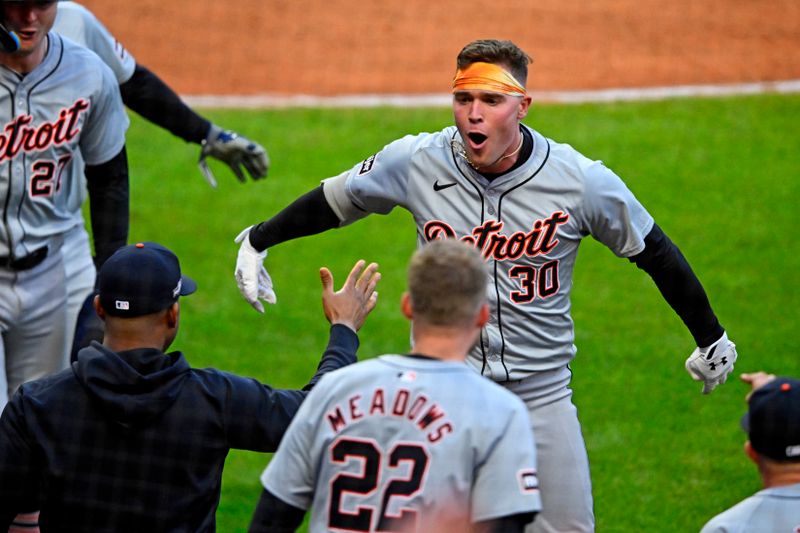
(251, 277)
(351, 304)
(756, 380)
(712, 364)
(236, 152)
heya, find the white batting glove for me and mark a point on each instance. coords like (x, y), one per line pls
(712, 364)
(251, 277)
(236, 152)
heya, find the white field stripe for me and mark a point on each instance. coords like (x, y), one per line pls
(443, 100)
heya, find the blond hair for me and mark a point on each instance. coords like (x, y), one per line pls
(446, 283)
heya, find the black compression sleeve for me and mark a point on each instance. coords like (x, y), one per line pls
(341, 351)
(148, 95)
(273, 515)
(308, 215)
(673, 276)
(107, 184)
(505, 524)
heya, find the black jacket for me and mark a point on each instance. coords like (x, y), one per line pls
(136, 440)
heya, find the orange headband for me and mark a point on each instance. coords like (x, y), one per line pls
(487, 77)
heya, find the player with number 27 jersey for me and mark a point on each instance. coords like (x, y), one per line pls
(54, 113)
(48, 116)
(406, 443)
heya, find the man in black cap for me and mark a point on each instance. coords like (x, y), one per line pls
(131, 438)
(772, 424)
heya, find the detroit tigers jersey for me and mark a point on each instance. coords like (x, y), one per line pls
(78, 24)
(774, 509)
(69, 105)
(402, 443)
(528, 224)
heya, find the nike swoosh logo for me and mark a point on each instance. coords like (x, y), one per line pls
(437, 187)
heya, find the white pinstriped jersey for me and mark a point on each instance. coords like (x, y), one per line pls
(528, 224)
(410, 443)
(70, 103)
(776, 509)
(77, 23)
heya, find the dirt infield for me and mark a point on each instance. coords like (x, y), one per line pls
(333, 47)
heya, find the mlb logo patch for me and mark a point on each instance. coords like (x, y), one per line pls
(123, 305)
(528, 482)
(408, 375)
(366, 166)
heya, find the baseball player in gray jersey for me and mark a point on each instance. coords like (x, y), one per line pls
(526, 202)
(145, 93)
(60, 107)
(149, 96)
(394, 444)
(772, 424)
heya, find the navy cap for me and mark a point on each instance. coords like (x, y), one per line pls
(140, 279)
(773, 419)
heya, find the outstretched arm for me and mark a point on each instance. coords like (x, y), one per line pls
(308, 215)
(149, 96)
(348, 307)
(712, 361)
(673, 276)
(273, 409)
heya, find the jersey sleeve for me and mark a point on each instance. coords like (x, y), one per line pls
(380, 182)
(291, 474)
(103, 135)
(79, 24)
(506, 482)
(612, 214)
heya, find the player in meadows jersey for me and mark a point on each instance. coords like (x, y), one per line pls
(526, 202)
(416, 442)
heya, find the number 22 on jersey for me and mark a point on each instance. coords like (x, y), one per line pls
(402, 477)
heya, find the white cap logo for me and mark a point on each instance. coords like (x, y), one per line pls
(122, 304)
(177, 290)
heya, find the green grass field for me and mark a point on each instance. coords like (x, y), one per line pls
(719, 175)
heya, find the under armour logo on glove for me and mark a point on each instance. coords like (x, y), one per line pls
(712, 364)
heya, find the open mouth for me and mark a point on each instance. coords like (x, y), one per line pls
(477, 138)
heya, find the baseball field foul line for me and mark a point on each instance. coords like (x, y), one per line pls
(263, 101)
